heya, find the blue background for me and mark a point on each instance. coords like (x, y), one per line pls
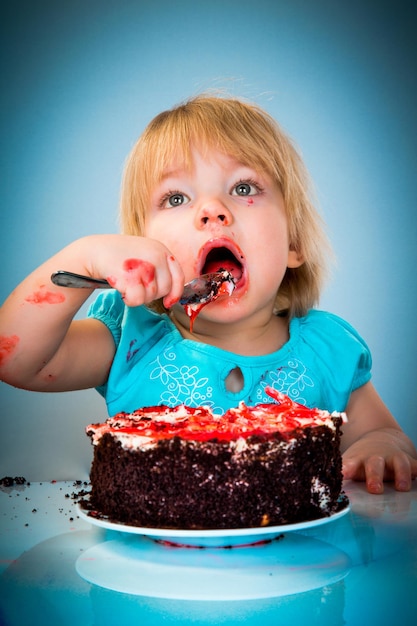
(81, 79)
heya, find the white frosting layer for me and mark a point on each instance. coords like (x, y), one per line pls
(144, 428)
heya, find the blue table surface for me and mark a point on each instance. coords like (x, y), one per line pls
(57, 568)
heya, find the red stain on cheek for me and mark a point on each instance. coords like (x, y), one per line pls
(43, 296)
(250, 201)
(141, 271)
(7, 347)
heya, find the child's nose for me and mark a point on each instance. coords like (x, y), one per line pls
(213, 212)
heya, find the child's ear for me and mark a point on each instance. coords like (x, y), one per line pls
(295, 259)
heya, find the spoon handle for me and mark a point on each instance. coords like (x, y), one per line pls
(69, 279)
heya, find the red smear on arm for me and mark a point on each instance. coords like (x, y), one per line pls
(43, 296)
(142, 271)
(7, 347)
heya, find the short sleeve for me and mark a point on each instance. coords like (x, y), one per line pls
(109, 308)
(339, 353)
(356, 348)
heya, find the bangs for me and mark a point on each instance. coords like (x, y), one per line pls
(210, 124)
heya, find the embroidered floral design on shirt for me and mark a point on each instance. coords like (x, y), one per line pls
(183, 385)
(291, 380)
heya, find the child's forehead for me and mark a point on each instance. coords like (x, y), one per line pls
(184, 162)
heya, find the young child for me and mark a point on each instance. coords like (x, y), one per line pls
(211, 184)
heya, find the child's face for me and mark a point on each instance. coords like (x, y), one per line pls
(222, 214)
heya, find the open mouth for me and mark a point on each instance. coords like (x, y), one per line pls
(223, 257)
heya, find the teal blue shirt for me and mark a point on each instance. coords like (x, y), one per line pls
(323, 361)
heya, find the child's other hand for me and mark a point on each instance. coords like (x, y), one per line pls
(374, 446)
(141, 269)
(379, 456)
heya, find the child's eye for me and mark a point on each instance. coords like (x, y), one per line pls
(173, 199)
(246, 188)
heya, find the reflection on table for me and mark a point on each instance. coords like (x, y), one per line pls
(58, 568)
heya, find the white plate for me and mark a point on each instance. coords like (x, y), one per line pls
(135, 565)
(211, 538)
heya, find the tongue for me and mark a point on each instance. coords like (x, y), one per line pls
(226, 264)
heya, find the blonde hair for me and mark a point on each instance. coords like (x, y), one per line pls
(250, 135)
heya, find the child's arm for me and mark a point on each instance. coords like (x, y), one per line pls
(375, 448)
(42, 348)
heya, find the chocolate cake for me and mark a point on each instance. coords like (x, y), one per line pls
(188, 468)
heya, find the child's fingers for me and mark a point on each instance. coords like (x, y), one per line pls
(402, 472)
(371, 470)
(375, 469)
(352, 468)
(374, 472)
(142, 282)
(177, 282)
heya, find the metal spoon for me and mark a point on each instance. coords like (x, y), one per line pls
(201, 290)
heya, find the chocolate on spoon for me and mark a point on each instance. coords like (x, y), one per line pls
(205, 289)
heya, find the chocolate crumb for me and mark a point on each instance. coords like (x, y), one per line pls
(7, 481)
